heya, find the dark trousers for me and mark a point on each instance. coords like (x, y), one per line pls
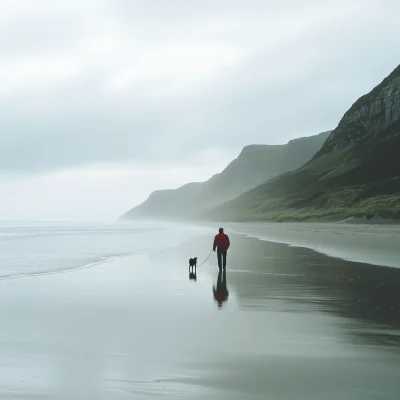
(221, 253)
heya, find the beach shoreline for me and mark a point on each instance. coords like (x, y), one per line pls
(365, 243)
(141, 326)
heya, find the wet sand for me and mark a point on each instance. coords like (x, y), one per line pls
(376, 244)
(290, 324)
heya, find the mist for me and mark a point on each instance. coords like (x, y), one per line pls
(102, 102)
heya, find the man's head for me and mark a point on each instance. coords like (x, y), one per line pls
(221, 230)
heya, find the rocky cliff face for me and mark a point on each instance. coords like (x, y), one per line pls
(356, 174)
(370, 116)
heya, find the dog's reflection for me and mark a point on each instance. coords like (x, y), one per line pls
(221, 293)
(193, 269)
(193, 275)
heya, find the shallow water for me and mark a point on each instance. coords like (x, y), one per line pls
(294, 325)
(29, 248)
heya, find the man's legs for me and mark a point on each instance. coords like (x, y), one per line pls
(224, 257)
(219, 255)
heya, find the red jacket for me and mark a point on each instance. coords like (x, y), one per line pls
(221, 241)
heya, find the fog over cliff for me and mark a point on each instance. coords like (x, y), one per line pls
(103, 102)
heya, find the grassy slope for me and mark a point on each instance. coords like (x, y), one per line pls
(343, 183)
(355, 173)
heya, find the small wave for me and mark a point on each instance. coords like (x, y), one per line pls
(102, 260)
(62, 271)
(34, 249)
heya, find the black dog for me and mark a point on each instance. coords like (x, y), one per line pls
(192, 263)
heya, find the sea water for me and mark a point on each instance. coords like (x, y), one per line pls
(29, 248)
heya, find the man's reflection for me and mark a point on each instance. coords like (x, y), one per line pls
(221, 292)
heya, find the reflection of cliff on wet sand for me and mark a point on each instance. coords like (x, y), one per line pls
(221, 293)
(298, 279)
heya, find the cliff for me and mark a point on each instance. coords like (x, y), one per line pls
(369, 117)
(356, 173)
(254, 165)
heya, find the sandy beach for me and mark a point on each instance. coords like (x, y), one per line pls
(288, 323)
(376, 244)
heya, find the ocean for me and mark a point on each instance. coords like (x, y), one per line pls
(31, 248)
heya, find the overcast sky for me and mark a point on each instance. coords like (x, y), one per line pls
(103, 101)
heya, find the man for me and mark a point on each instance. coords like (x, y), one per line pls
(221, 243)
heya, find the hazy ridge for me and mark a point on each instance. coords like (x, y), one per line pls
(350, 172)
(254, 166)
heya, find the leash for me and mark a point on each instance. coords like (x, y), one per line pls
(205, 259)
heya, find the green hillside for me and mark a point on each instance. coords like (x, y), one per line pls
(355, 174)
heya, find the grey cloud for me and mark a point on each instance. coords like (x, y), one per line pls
(40, 35)
(300, 87)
